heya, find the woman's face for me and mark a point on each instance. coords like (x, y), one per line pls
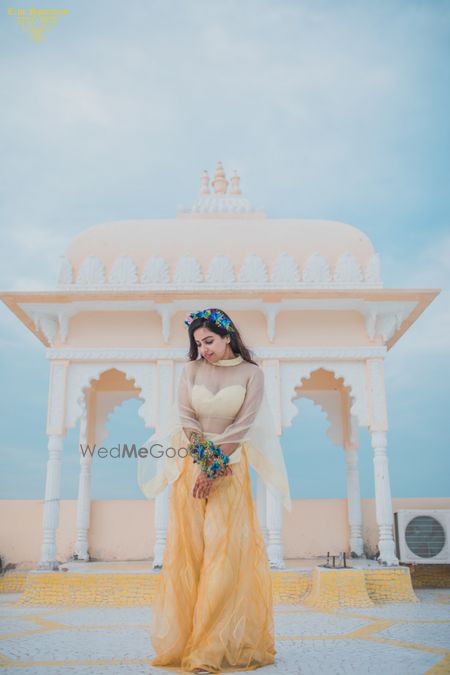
(212, 347)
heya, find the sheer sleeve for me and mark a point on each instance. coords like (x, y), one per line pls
(237, 431)
(251, 428)
(187, 414)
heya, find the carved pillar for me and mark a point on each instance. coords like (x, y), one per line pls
(56, 432)
(261, 510)
(383, 499)
(165, 388)
(274, 526)
(274, 506)
(161, 520)
(84, 483)
(378, 430)
(50, 520)
(354, 502)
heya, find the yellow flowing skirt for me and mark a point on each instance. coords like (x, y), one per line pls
(213, 606)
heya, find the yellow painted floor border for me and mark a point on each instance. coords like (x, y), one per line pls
(315, 587)
(338, 588)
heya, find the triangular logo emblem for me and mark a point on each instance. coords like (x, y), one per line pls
(38, 22)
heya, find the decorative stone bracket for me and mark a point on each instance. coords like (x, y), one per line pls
(382, 318)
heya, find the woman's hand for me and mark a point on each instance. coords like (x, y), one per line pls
(203, 484)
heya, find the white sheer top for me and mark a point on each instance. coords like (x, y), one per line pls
(226, 402)
(220, 399)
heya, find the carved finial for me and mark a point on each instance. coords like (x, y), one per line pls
(204, 183)
(235, 184)
(220, 183)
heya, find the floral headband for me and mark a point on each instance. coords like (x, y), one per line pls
(213, 315)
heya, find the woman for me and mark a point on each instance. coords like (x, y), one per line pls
(213, 609)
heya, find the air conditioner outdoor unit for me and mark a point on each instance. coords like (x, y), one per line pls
(422, 535)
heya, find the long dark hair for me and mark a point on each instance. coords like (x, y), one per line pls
(236, 342)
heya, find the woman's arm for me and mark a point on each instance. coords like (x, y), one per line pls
(189, 432)
(188, 415)
(233, 436)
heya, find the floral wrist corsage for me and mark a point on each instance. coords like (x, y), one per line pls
(211, 459)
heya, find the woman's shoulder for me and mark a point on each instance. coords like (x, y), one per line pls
(190, 366)
(255, 372)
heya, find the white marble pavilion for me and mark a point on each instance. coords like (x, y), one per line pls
(306, 294)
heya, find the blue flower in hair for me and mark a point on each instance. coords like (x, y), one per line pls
(215, 316)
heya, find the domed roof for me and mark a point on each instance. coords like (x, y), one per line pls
(221, 241)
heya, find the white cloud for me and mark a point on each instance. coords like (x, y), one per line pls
(428, 338)
(32, 262)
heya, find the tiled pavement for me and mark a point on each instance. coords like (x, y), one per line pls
(393, 639)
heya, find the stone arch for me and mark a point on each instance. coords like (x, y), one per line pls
(319, 395)
(322, 397)
(109, 400)
(293, 374)
(82, 375)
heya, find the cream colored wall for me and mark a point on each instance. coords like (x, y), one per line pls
(143, 329)
(123, 529)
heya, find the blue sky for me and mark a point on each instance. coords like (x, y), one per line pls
(332, 110)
